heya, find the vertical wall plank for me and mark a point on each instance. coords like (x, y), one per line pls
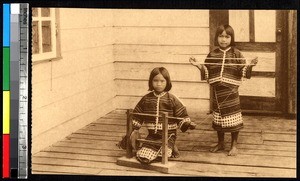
(292, 59)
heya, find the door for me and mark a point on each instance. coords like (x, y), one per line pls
(259, 33)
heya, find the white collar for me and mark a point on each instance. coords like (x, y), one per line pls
(225, 50)
(159, 95)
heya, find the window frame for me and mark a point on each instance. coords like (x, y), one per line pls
(53, 18)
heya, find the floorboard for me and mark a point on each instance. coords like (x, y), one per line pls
(267, 148)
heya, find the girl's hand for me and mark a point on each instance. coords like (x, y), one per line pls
(254, 62)
(194, 62)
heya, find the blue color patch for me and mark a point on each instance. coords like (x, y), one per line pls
(6, 25)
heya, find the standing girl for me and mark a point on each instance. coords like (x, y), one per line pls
(159, 99)
(224, 69)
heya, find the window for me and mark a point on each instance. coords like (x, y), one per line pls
(253, 25)
(44, 34)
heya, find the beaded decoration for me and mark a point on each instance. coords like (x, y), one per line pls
(157, 108)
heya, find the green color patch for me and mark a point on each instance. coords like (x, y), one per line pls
(6, 68)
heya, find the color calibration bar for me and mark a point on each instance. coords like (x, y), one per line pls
(14, 87)
(6, 93)
(15, 90)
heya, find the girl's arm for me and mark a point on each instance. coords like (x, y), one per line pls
(245, 70)
(137, 120)
(180, 111)
(201, 67)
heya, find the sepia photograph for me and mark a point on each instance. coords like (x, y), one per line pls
(164, 92)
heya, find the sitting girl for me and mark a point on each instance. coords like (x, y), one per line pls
(159, 100)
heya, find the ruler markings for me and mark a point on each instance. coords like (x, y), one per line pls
(23, 107)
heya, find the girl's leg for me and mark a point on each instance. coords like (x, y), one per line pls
(220, 145)
(233, 151)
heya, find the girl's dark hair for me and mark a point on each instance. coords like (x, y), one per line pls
(229, 31)
(164, 72)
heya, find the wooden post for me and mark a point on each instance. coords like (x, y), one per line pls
(292, 62)
(128, 132)
(164, 145)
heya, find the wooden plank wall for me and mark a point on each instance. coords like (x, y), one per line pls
(73, 91)
(145, 39)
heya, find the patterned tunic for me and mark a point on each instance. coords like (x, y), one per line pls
(153, 104)
(225, 80)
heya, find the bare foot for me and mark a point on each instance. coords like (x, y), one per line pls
(175, 155)
(143, 160)
(233, 151)
(192, 126)
(175, 152)
(217, 148)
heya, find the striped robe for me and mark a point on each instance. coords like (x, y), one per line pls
(225, 80)
(153, 104)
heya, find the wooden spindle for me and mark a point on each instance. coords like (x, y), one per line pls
(128, 133)
(164, 138)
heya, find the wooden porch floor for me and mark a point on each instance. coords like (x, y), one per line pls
(267, 148)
